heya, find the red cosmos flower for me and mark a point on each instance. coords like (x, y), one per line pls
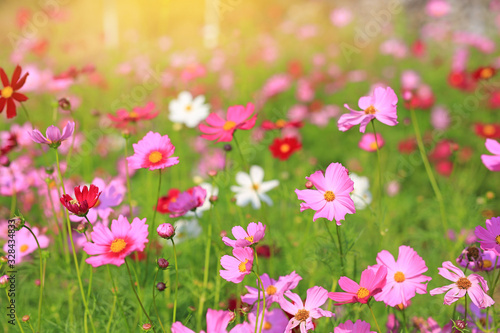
(418, 48)
(407, 146)
(284, 148)
(123, 117)
(443, 150)
(85, 199)
(460, 80)
(494, 100)
(164, 201)
(484, 73)
(9, 92)
(487, 131)
(279, 124)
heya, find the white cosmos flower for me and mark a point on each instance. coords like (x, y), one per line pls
(361, 195)
(188, 111)
(252, 189)
(186, 229)
(211, 190)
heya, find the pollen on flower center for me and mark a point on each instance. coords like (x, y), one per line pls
(463, 283)
(472, 253)
(271, 290)
(249, 238)
(489, 129)
(74, 202)
(155, 157)
(7, 92)
(399, 277)
(117, 245)
(285, 148)
(242, 267)
(373, 145)
(363, 292)
(302, 315)
(329, 196)
(188, 108)
(370, 110)
(487, 263)
(229, 125)
(255, 186)
(267, 325)
(497, 239)
(133, 115)
(486, 73)
(24, 248)
(280, 123)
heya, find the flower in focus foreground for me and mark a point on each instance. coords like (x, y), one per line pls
(53, 138)
(85, 199)
(223, 130)
(153, 152)
(188, 110)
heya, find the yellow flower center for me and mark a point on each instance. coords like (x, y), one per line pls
(155, 157)
(133, 115)
(229, 125)
(399, 277)
(363, 292)
(329, 196)
(117, 245)
(280, 123)
(255, 186)
(302, 315)
(489, 129)
(24, 248)
(242, 267)
(373, 145)
(370, 110)
(487, 263)
(285, 148)
(188, 108)
(463, 283)
(74, 202)
(486, 73)
(249, 238)
(271, 290)
(267, 325)
(497, 239)
(7, 92)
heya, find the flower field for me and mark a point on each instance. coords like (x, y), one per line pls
(249, 166)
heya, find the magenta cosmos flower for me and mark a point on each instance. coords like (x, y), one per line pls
(187, 201)
(373, 279)
(492, 162)
(369, 143)
(112, 246)
(489, 238)
(255, 232)
(303, 314)
(223, 130)
(25, 243)
(217, 322)
(331, 199)
(404, 276)
(53, 138)
(474, 285)
(274, 290)
(238, 266)
(381, 105)
(349, 327)
(153, 152)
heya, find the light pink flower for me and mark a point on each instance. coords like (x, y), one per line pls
(489, 238)
(153, 152)
(112, 246)
(25, 243)
(275, 321)
(331, 199)
(492, 162)
(373, 279)
(303, 314)
(274, 290)
(341, 17)
(187, 200)
(223, 130)
(381, 105)
(474, 285)
(238, 266)
(275, 85)
(404, 276)
(349, 327)
(217, 322)
(255, 232)
(437, 8)
(53, 135)
(440, 118)
(369, 143)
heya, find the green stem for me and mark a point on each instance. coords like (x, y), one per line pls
(428, 169)
(31, 326)
(80, 284)
(217, 284)
(245, 165)
(27, 115)
(42, 282)
(465, 309)
(154, 301)
(116, 295)
(404, 320)
(153, 224)
(494, 285)
(108, 327)
(379, 167)
(342, 267)
(62, 231)
(15, 313)
(260, 286)
(136, 295)
(374, 318)
(176, 281)
(129, 192)
(205, 276)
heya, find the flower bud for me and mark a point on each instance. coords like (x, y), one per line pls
(64, 104)
(309, 184)
(146, 327)
(213, 198)
(460, 324)
(161, 286)
(228, 147)
(166, 230)
(37, 282)
(212, 173)
(3, 259)
(3, 280)
(26, 318)
(18, 222)
(223, 233)
(82, 227)
(162, 263)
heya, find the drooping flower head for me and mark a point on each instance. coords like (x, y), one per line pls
(303, 314)
(188, 110)
(373, 279)
(492, 162)
(153, 152)
(112, 246)
(473, 285)
(187, 200)
(331, 199)
(9, 93)
(252, 188)
(489, 238)
(349, 327)
(381, 106)
(85, 199)
(404, 276)
(254, 233)
(237, 267)
(53, 138)
(223, 129)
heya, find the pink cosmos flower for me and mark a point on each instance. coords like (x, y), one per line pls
(187, 200)
(437, 8)
(341, 17)
(274, 290)
(492, 162)
(54, 136)
(331, 199)
(217, 322)
(238, 266)
(381, 105)
(112, 246)
(275, 321)
(223, 130)
(26, 243)
(255, 232)
(123, 117)
(349, 327)
(303, 314)
(440, 118)
(404, 276)
(153, 152)
(373, 279)
(275, 85)
(369, 143)
(474, 285)
(489, 238)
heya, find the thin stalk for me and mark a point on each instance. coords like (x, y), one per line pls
(154, 301)
(116, 295)
(108, 327)
(31, 326)
(205, 275)
(15, 313)
(379, 167)
(153, 224)
(374, 318)
(494, 285)
(176, 281)
(260, 286)
(465, 309)
(62, 231)
(137, 296)
(42, 282)
(404, 320)
(245, 165)
(27, 115)
(217, 285)
(129, 192)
